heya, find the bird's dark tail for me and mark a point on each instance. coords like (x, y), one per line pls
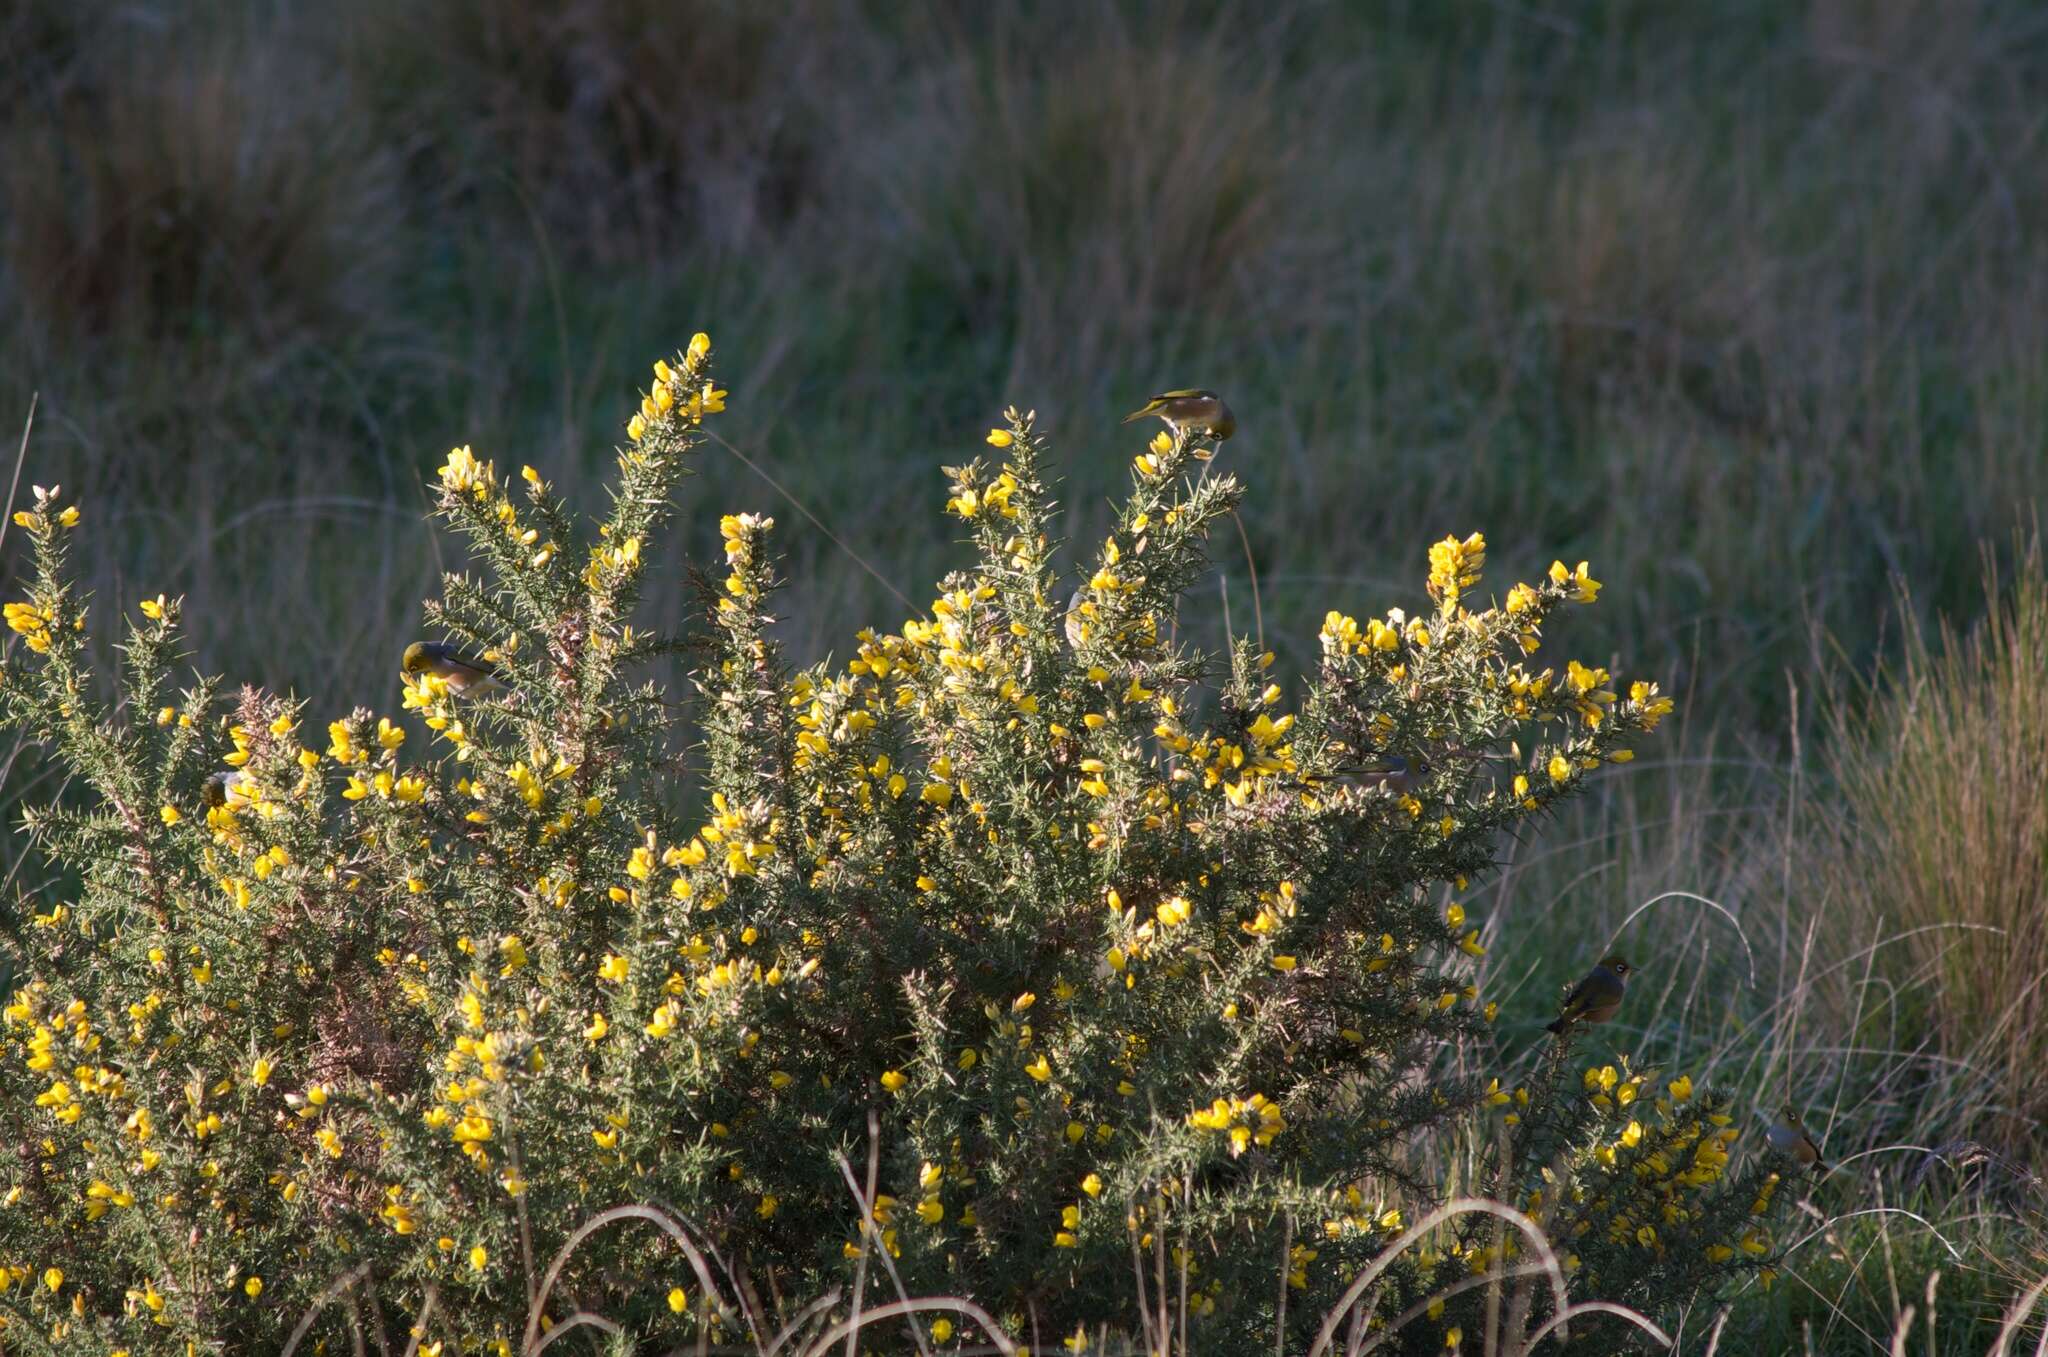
(1821, 1169)
(1557, 1028)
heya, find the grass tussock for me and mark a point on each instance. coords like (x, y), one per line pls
(1940, 848)
(180, 186)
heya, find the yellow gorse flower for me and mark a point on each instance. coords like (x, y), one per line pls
(1454, 569)
(1245, 1121)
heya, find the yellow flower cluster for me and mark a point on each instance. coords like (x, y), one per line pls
(1454, 568)
(1353, 1216)
(676, 391)
(971, 497)
(1671, 1151)
(1343, 635)
(1579, 584)
(34, 520)
(33, 624)
(1238, 767)
(1247, 1121)
(463, 473)
(743, 534)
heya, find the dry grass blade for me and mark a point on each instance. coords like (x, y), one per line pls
(430, 1308)
(802, 1318)
(581, 1319)
(1557, 1322)
(1714, 1334)
(20, 459)
(631, 1211)
(852, 1325)
(2015, 1315)
(872, 1228)
(1721, 909)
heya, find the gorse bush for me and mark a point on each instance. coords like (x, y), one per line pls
(1005, 960)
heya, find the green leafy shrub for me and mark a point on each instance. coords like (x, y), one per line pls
(1004, 960)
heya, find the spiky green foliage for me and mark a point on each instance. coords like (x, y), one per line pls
(1007, 959)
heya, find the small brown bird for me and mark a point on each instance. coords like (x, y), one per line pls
(1788, 1136)
(1595, 998)
(1194, 411)
(465, 678)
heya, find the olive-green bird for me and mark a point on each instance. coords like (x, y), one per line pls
(1190, 411)
(1398, 775)
(228, 788)
(465, 678)
(1788, 1136)
(1401, 774)
(1595, 998)
(1077, 621)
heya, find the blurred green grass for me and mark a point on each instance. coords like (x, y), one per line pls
(1740, 301)
(1743, 302)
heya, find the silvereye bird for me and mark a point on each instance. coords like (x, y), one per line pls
(1404, 774)
(230, 787)
(1788, 1136)
(1190, 411)
(465, 678)
(1398, 775)
(1595, 998)
(1077, 621)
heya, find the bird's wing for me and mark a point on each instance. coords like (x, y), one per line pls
(448, 658)
(1576, 1000)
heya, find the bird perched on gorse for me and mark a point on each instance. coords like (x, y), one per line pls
(1192, 411)
(1596, 997)
(1788, 1136)
(465, 678)
(1077, 618)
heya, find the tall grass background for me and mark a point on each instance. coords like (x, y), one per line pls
(1745, 302)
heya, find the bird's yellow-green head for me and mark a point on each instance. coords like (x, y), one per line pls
(417, 656)
(1617, 965)
(1790, 1115)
